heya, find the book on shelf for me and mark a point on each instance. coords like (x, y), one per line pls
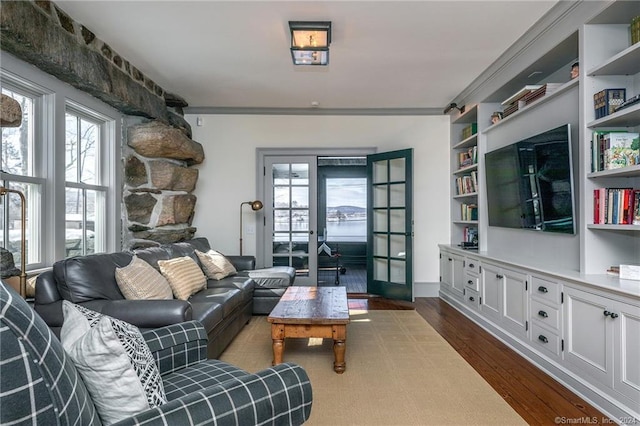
(468, 158)
(469, 130)
(468, 212)
(466, 185)
(606, 101)
(616, 206)
(513, 99)
(613, 149)
(470, 235)
(545, 89)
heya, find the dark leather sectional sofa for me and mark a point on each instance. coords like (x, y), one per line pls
(223, 307)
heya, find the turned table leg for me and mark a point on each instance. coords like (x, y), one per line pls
(339, 348)
(277, 335)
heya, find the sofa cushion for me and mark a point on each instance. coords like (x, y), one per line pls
(198, 377)
(84, 278)
(184, 275)
(229, 298)
(208, 314)
(139, 280)
(114, 361)
(274, 277)
(244, 284)
(215, 265)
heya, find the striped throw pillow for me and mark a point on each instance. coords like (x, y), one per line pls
(184, 275)
(139, 280)
(216, 265)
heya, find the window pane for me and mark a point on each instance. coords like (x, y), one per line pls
(95, 238)
(71, 148)
(89, 152)
(74, 206)
(11, 212)
(18, 142)
(346, 209)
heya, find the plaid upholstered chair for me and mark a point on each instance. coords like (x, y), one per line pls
(39, 383)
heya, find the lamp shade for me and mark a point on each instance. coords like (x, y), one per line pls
(310, 42)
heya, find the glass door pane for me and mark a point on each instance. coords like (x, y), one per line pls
(290, 216)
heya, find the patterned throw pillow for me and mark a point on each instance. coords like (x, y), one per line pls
(139, 280)
(114, 361)
(216, 266)
(184, 275)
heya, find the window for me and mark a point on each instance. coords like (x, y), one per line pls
(65, 159)
(84, 196)
(19, 171)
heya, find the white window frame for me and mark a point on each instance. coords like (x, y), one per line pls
(54, 98)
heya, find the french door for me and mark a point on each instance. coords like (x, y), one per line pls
(390, 225)
(290, 215)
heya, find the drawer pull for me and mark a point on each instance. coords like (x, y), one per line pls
(543, 289)
(543, 314)
(543, 339)
(471, 265)
(498, 276)
(470, 282)
(471, 298)
(613, 315)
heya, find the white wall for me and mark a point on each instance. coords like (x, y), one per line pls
(228, 173)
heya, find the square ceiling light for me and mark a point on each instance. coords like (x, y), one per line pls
(310, 42)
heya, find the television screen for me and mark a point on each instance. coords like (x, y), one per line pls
(530, 185)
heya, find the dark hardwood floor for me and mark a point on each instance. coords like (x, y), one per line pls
(537, 397)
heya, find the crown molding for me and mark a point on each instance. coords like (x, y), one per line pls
(313, 111)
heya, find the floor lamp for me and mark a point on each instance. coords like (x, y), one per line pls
(255, 206)
(23, 233)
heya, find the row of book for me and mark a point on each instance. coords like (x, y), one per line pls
(469, 211)
(468, 157)
(527, 95)
(469, 130)
(470, 235)
(614, 149)
(616, 206)
(467, 184)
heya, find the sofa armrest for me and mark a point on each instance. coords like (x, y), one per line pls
(149, 313)
(243, 263)
(177, 346)
(277, 395)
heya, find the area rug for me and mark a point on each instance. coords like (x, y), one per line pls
(400, 371)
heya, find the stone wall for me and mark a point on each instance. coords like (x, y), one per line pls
(157, 202)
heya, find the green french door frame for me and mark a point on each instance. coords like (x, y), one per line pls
(390, 224)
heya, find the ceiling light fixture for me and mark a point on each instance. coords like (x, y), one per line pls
(310, 42)
(452, 106)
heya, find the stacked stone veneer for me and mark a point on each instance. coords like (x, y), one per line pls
(158, 184)
(158, 179)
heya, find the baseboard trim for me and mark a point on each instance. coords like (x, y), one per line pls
(426, 289)
(576, 384)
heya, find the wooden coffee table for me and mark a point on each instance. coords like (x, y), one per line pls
(305, 312)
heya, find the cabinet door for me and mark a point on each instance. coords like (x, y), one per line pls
(515, 314)
(491, 290)
(588, 335)
(627, 344)
(446, 270)
(457, 282)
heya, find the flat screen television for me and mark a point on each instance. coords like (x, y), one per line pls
(530, 183)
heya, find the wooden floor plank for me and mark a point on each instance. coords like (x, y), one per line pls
(533, 394)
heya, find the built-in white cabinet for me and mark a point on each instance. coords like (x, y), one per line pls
(602, 342)
(576, 329)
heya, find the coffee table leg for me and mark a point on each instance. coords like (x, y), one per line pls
(339, 348)
(277, 335)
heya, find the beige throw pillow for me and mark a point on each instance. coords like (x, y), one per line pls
(215, 265)
(184, 275)
(139, 280)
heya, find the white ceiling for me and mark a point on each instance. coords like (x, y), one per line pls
(384, 54)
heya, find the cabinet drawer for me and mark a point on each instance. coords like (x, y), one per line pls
(545, 314)
(545, 340)
(471, 281)
(472, 265)
(471, 298)
(545, 290)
